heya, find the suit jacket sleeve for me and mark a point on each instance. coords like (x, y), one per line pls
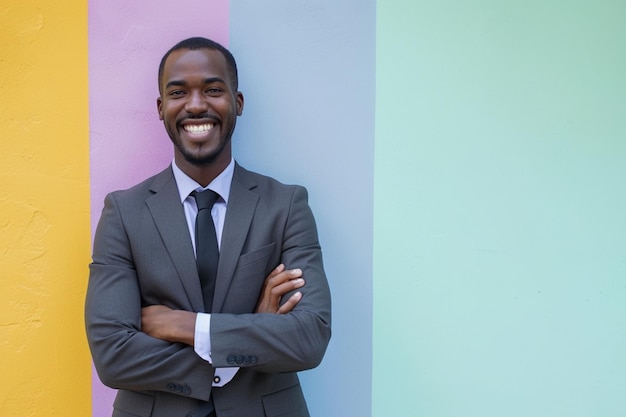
(293, 341)
(125, 357)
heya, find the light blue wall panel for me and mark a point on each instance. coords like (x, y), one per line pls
(307, 72)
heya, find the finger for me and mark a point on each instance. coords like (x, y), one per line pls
(295, 273)
(280, 268)
(268, 283)
(290, 303)
(282, 277)
(276, 276)
(282, 289)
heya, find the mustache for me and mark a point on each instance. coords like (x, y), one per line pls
(202, 116)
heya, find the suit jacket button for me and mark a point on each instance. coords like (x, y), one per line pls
(216, 379)
(230, 359)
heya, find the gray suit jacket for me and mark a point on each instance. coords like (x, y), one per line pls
(143, 255)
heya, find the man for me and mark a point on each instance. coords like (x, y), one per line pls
(150, 334)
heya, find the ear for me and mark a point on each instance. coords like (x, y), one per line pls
(239, 103)
(160, 107)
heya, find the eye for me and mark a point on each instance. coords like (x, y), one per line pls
(214, 91)
(176, 93)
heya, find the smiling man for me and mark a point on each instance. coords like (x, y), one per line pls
(193, 317)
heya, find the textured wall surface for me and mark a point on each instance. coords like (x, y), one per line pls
(44, 209)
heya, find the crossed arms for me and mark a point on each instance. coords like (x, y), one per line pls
(164, 323)
(139, 334)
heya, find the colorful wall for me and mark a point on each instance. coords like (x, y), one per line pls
(44, 209)
(465, 162)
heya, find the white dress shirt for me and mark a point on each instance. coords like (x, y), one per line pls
(221, 185)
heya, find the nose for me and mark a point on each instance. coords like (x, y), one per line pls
(196, 103)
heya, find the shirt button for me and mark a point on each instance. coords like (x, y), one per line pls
(217, 379)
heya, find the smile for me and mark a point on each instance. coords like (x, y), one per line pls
(198, 129)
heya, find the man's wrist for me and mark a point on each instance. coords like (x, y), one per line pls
(182, 327)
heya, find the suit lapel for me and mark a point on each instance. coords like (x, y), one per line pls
(241, 207)
(169, 218)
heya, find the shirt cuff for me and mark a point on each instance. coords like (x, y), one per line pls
(202, 346)
(202, 336)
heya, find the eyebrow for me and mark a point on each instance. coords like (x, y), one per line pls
(181, 83)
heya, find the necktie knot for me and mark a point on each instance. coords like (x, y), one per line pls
(205, 199)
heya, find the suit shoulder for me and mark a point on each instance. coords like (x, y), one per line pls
(145, 187)
(139, 192)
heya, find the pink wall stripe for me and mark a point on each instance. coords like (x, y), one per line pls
(127, 141)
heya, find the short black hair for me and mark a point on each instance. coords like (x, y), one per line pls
(196, 43)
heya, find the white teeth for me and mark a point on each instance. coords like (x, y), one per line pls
(198, 128)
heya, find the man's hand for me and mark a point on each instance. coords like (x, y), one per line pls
(278, 283)
(166, 324)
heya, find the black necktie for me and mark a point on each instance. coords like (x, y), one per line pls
(207, 253)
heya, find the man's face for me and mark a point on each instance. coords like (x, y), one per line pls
(198, 106)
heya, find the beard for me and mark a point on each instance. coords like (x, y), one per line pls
(199, 158)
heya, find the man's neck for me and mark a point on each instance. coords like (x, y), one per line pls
(202, 174)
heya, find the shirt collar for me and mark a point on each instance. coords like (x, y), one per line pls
(220, 184)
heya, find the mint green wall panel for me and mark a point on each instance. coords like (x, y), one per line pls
(500, 211)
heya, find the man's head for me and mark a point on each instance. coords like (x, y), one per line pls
(196, 43)
(199, 105)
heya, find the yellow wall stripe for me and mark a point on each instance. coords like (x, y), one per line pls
(44, 208)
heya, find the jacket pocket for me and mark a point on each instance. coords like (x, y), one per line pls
(256, 255)
(132, 404)
(286, 403)
(245, 285)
